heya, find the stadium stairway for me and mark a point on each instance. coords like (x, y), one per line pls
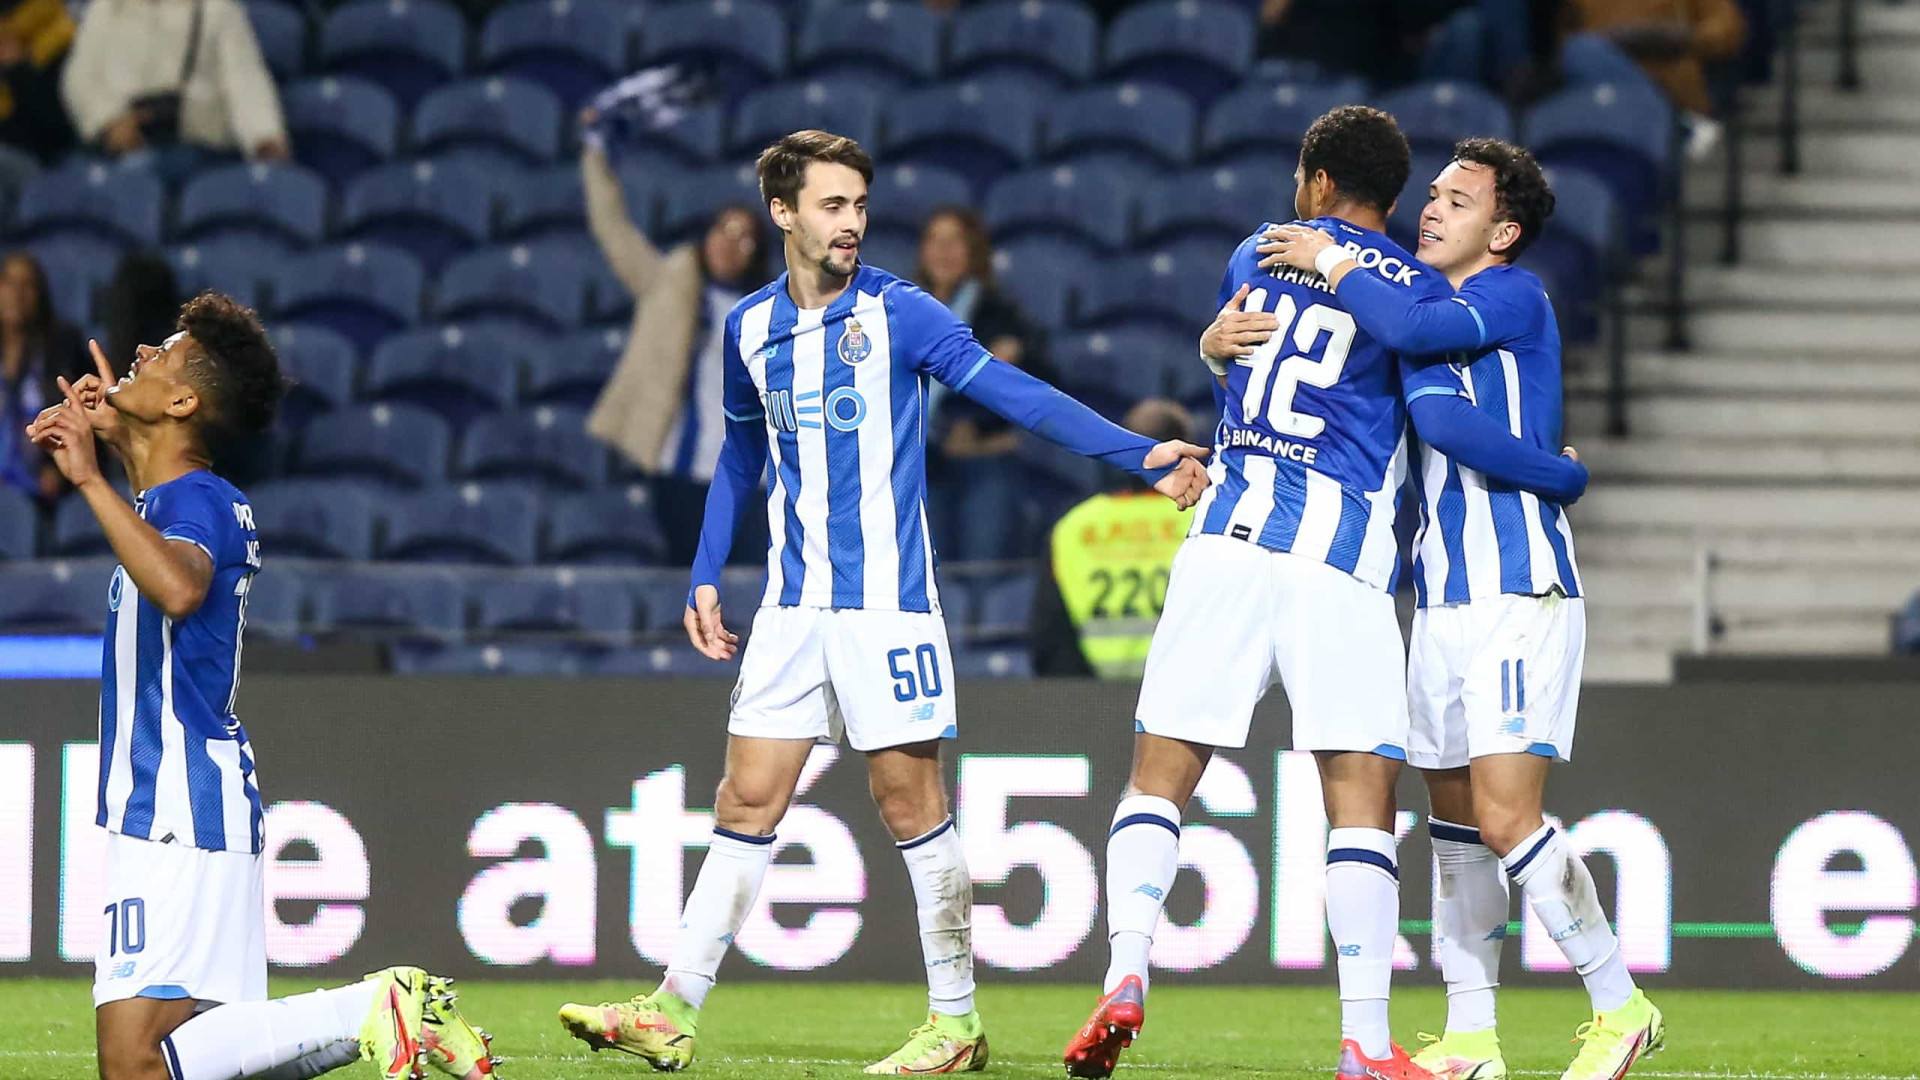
(1768, 500)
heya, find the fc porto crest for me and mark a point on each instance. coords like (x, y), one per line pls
(855, 345)
(116, 588)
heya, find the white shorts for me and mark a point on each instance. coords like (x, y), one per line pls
(1238, 615)
(1500, 675)
(884, 677)
(181, 922)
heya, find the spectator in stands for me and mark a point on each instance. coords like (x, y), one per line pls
(35, 36)
(1107, 566)
(1673, 41)
(181, 80)
(36, 348)
(975, 471)
(662, 408)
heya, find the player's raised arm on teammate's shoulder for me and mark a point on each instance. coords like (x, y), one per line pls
(1235, 332)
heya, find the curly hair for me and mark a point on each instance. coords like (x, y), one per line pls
(1520, 190)
(1362, 150)
(235, 367)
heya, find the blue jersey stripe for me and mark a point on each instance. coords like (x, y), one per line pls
(1452, 511)
(1503, 503)
(203, 779)
(909, 486)
(1344, 553)
(846, 547)
(1550, 524)
(109, 696)
(1234, 486)
(793, 563)
(146, 750)
(255, 813)
(1282, 526)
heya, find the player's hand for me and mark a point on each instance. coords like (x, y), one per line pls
(64, 433)
(705, 629)
(1189, 477)
(1236, 333)
(1570, 452)
(1292, 245)
(1573, 455)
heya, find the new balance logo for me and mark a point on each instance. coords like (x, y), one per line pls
(921, 713)
(1146, 889)
(121, 971)
(1349, 950)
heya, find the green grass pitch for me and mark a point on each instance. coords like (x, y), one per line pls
(807, 1031)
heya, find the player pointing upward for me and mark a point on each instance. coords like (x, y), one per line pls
(826, 377)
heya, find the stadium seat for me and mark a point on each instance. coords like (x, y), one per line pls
(282, 33)
(892, 252)
(315, 519)
(1222, 203)
(1580, 249)
(572, 47)
(456, 374)
(1113, 369)
(516, 659)
(433, 209)
(1271, 117)
(235, 266)
(743, 43)
(555, 600)
(1038, 272)
(887, 44)
(1434, 116)
(463, 523)
(1011, 663)
(398, 445)
(519, 340)
(1089, 209)
(615, 527)
(843, 107)
(1171, 288)
(1622, 134)
(547, 443)
(1456, 50)
(545, 201)
(407, 46)
(1145, 125)
(1055, 39)
(340, 127)
(319, 366)
(1403, 225)
(902, 196)
(504, 120)
(18, 518)
(1201, 47)
(16, 168)
(577, 369)
(979, 128)
(55, 596)
(692, 138)
(280, 205)
(693, 198)
(76, 531)
(664, 661)
(78, 269)
(111, 202)
(277, 600)
(662, 601)
(363, 291)
(426, 601)
(1005, 607)
(541, 285)
(608, 301)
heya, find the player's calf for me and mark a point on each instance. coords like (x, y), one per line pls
(129, 1036)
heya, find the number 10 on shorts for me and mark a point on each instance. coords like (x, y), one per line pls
(916, 672)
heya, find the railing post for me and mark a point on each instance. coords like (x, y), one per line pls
(1849, 45)
(1677, 338)
(1789, 87)
(1616, 310)
(1702, 598)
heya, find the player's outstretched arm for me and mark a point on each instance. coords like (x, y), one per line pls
(1452, 425)
(743, 458)
(1399, 318)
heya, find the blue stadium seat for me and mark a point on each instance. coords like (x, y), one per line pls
(507, 119)
(514, 659)
(979, 128)
(541, 285)
(1271, 117)
(423, 600)
(363, 291)
(1434, 116)
(407, 46)
(1063, 202)
(1005, 607)
(1222, 203)
(433, 209)
(1112, 369)
(1038, 274)
(902, 196)
(281, 205)
(464, 523)
(887, 44)
(1202, 47)
(662, 601)
(235, 266)
(282, 33)
(18, 518)
(690, 203)
(1145, 125)
(111, 202)
(1056, 39)
(1009, 663)
(1580, 250)
(55, 595)
(551, 200)
(1168, 288)
(78, 269)
(315, 519)
(76, 531)
(692, 138)
(742, 42)
(340, 127)
(1403, 225)
(664, 661)
(577, 369)
(547, 443)
(572, 47)
(843, 107)
(319, 366)
(615, 527)
(277, 600)
(398, 445)
(1622, 134)
(644, 182)
(555, 600)
(16, 168)
(456, 374)
(520, 341)
(891, 251)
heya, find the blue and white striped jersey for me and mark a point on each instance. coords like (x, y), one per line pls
(843, 392)
(1311, 449)
(1479, 537)
(175, 763)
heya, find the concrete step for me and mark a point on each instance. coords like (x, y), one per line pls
(1800, 373)
(1682, 459)
(1876, 331)
(1817, 292)
(1768, 194)
(1889, 60)
(1824, 104)
(1845, 152)
(1869, 247)
(1628, 664)
(1862, 635)
(1822, 421)
(1761, 508)
(1894, 553)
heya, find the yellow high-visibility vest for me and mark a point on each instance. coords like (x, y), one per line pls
(1111, 557)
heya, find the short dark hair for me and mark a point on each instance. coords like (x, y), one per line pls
(234, 367)
(783, 166)
(1362, 150)
(1520, 189)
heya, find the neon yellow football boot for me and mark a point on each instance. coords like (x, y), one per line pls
(657, 1028)
(1462, 1055)
(390, 1037)
(453, 1045)
(1613, 1041)
(944, 1044)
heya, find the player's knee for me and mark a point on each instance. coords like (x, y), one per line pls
(910, 809)
(1502, 827)
(748, 804)
(130, 1059)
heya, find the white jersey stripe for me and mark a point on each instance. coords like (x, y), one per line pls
(754, 324)
(126, 681)
(1379, 551)
(235, 811)
(1320, 518)
(1256, 502)
(873, 379)
(809, 388)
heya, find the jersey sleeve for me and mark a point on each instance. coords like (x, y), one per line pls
(199, 514)
(1418, 380)
(739, 398)
(1485, 311)
(932, 339)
